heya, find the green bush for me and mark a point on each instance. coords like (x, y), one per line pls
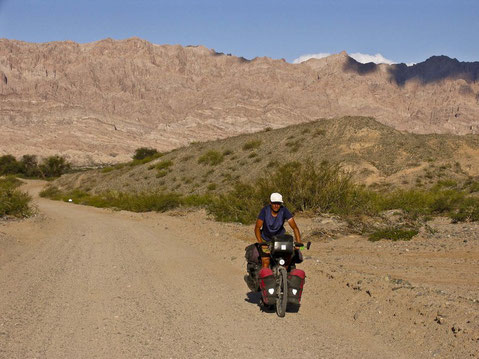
(51, 192)
(164, 165)
(13, 202)
(9, 165)
(29, 166)
(467, 211)
(239, 205)
(304, 187)
(54, 166)
(393, 234)
(9, 182)
(145, 152)
(211, 158)
(251, 145)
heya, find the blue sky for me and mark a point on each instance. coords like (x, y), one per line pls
(400, 30)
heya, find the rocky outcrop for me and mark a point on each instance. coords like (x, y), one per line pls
(99, 101)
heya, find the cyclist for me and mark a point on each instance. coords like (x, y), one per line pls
(270, 223)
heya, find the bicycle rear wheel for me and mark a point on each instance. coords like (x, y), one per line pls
(282, 300)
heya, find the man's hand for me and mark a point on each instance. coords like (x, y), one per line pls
(294, 227)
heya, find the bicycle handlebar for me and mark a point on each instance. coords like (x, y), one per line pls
(296, 244)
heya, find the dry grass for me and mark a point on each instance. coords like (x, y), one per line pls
(376, 154)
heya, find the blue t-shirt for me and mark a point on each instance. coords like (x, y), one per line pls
(273, 226)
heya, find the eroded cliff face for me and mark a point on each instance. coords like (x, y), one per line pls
(99, 101)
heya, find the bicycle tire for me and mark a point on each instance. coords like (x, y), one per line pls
(282, 299)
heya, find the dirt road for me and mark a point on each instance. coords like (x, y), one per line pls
(81, 282)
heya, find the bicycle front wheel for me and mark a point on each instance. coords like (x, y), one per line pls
(282, 299)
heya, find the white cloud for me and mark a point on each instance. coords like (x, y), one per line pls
(303, 58)
(363, 58)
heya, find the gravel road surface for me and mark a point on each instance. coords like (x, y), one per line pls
(82, 282)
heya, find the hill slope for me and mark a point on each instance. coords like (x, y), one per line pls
(99, 101)
(374, 152)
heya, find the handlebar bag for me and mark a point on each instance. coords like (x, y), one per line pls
(296, 280)
(267, 285)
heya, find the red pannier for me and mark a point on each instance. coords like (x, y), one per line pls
(295, 286)
(267, 285)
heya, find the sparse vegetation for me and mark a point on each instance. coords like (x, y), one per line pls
(28, 166)
(393, 234)
(319, 132)
(164, 165)
(294, 146)
(428, 190)
(135, 202)
(145, 152)
(211, 158)
(252, 145)
(13, 202)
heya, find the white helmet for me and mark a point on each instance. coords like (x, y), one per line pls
(276, 197)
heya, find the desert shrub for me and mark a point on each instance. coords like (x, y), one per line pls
(472, 186)
(417, 202)
(161, 173)
(211, 187)
(29, 166)
(51, 192)
(54, 166)
(145, 152)
(323, 187)
(294, 145)
(107, 169)
(393, 234)
(119, 166)
(467, 211)
(9, 181)
(211, 158)
(252, 155)
(9, 165)
(135, 202)
(251, 145)
(13, 202)
(446, 183)
(239, 205)
(164, 165)
(195, 200)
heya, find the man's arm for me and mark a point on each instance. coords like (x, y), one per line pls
(257, 230)
(294, 226)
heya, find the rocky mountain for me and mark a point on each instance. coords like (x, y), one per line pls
(97, 102)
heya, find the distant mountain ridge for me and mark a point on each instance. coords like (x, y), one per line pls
(99, 101)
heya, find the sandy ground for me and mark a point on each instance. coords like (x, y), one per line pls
(81, 282)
